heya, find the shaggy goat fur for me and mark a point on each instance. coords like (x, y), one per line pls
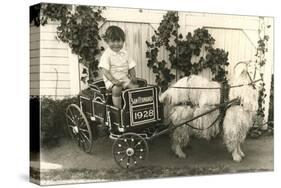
(182, 91)
(237, 121)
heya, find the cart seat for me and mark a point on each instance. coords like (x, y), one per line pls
(100, 87)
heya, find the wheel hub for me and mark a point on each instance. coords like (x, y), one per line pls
(75, 129)
(130, 151)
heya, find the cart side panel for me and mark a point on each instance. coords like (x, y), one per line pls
(115, 118)
(85, 105)
(99, 109)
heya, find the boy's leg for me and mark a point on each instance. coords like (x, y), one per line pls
(116, 96)
(131, 86)
(128, 84)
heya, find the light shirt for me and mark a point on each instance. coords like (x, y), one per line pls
(117, 63)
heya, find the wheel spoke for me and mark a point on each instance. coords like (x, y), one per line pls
(125, 140)
(122, 159)
(70, 119)
(81, 121)
(132, 141)
(134, 159)
(85, 136)
(82, 142)
(121, 146)
(72, 126)
(120, 152)
(78, 140)
(128, 161)
(138, 143)
(84, 130)
(71, 113)
(140, 150)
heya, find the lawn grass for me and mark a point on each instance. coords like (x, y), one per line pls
(117, 174)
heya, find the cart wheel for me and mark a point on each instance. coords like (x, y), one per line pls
(129, 150)
(79, 128)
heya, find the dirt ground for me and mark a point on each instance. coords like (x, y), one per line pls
(201, 156)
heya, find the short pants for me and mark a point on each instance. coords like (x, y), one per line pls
(125, 81)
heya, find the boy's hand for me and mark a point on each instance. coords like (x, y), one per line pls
(116, 82)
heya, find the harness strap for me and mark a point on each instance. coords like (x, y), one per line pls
(219, 117)
(232, 86)
(170, 128)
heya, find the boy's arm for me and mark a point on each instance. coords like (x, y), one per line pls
(108, 75)
(132, 73)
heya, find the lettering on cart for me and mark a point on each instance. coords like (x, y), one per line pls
(140, 100)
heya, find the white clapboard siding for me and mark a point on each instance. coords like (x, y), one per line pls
(49, 76)
(133, 15)
(43, 68)
(51, 92)
(55, 61)
(34, 54)
(34, 36)
(50, 84)
(33, 45)
(49, 62)
(49, 36)
(220, 20)
(49, 44)
(53, 52)
(33, 29)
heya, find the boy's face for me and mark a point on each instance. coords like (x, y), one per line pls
(116, 45)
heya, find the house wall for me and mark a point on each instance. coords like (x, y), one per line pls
(50, 63)
(54, 69)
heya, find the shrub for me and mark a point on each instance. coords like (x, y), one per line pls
(271, 104)
(53, 122)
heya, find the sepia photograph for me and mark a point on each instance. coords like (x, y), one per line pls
(127, 93)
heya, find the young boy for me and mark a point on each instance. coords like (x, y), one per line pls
(117, 68)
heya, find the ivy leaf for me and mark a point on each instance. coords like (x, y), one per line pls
(150, 63)
(148, 54)
(192, 46)
(174, 32)
(180, 36)
(84, 71)
(154, 69)
(153, 38)
(196, 52)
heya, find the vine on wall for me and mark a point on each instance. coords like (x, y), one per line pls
(78, 26)
(260, 62)
(181, 51)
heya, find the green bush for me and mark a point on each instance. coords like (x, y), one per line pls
(53, 122)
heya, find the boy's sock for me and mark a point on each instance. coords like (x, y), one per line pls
(116, 101)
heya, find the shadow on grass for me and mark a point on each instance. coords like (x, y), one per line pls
(118, 174)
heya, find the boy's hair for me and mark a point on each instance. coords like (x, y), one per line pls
(114, 33)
